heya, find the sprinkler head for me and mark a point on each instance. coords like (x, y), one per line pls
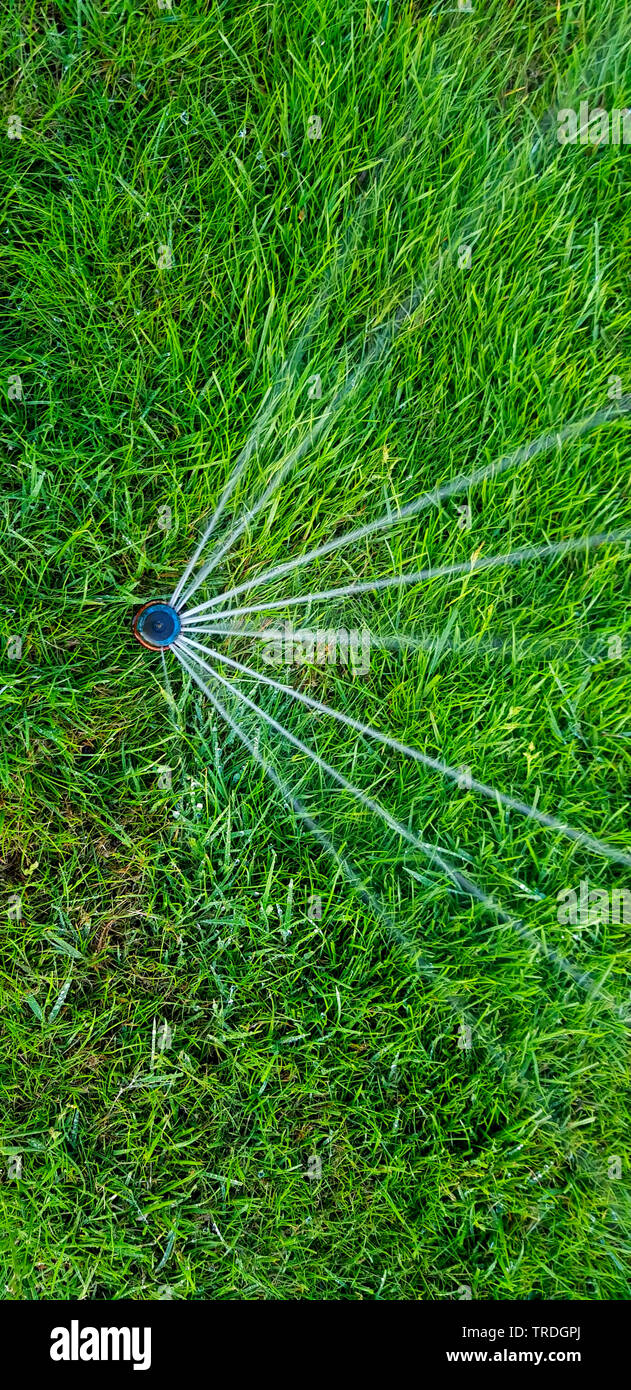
(156, 626)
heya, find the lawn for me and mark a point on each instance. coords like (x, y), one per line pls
(257, 1041)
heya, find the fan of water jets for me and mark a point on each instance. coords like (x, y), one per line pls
(178, 625)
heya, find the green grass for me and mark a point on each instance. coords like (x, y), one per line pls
(183, 1034)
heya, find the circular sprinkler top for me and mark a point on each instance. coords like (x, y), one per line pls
(156, 626)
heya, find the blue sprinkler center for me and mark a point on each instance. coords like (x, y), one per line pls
(157, 625)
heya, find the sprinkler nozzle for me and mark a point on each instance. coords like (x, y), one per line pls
(156, 626)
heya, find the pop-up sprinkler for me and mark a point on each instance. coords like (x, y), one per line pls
(156, 626)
